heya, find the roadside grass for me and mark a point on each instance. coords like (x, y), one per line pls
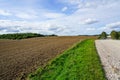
(78, 63)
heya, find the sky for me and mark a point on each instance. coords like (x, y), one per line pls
(61, 17)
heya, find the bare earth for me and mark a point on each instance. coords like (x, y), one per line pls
(21, 57)
(109, 52)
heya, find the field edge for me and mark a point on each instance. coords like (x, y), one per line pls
(39, 70)
(49, 62)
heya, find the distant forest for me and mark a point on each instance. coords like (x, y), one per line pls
(22, 35)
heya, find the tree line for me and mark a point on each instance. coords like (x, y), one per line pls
(22, 35)
(114, 35)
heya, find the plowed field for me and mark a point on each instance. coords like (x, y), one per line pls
(20, 57)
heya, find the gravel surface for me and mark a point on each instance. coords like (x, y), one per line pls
(109, 52)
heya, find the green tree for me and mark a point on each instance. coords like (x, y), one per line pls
(103, 35)
(114, 35)
(119, 34)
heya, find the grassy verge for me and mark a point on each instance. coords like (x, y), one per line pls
(78, 63)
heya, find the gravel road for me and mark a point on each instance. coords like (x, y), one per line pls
(109, 52)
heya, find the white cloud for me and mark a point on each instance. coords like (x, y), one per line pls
(53, 15)
(64, 9)
(78, 19)
(8, 26)
(73, 2)
(26, 15)
(90, 21)
(109, 27)
(112, 26)
(4, 13)
(88, 3)
(90, 29)
(56, 28)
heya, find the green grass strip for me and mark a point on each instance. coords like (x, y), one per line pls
(78, 63)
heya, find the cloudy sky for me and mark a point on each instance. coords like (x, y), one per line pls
(61, 17)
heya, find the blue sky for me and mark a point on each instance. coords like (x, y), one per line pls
(61, 17)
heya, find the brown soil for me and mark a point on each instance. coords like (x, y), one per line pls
(21, 57)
